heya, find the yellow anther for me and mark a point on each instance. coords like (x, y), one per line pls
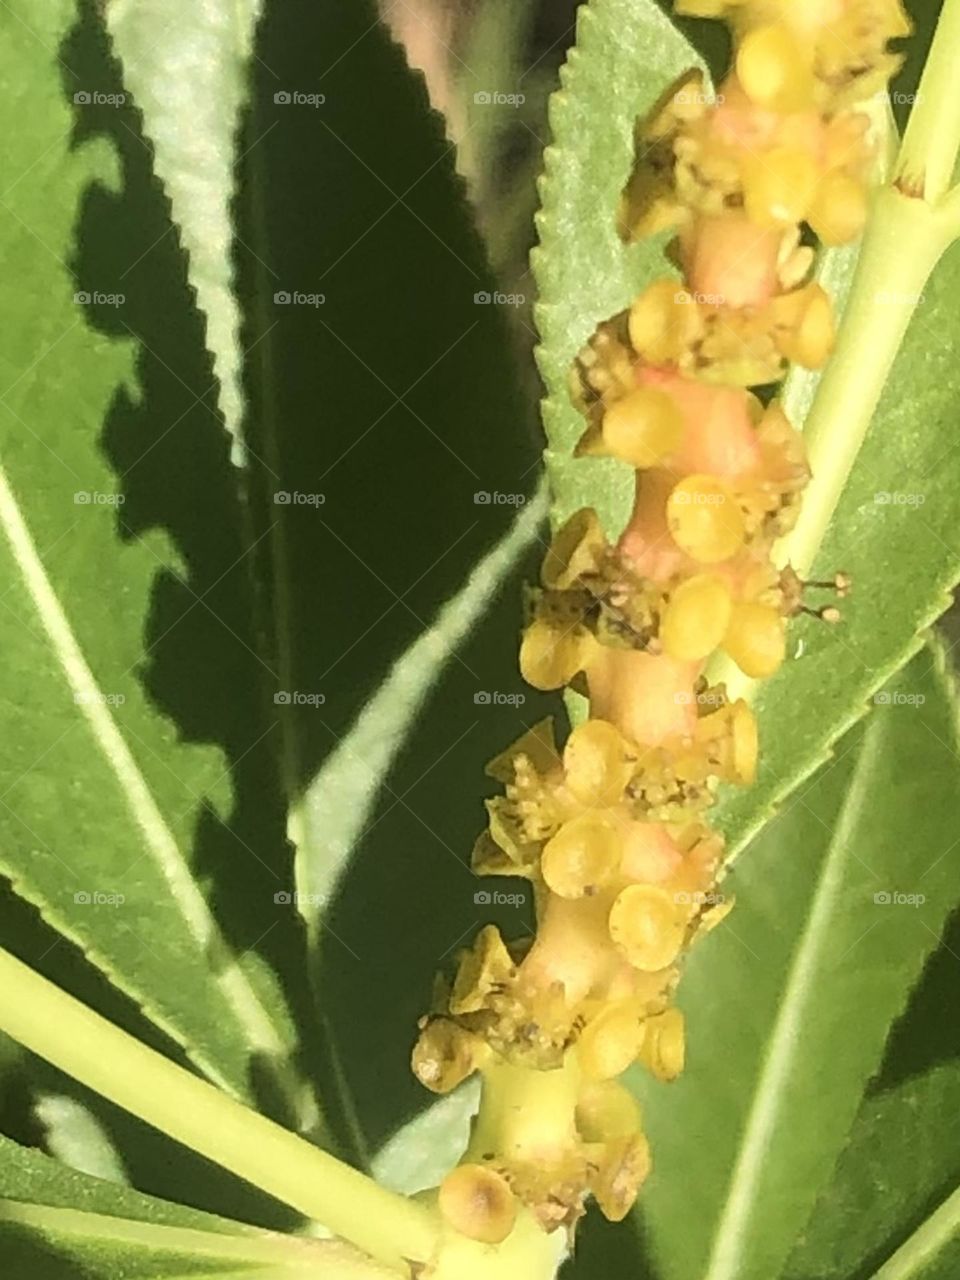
(756, 640)
(478, 1202)
(775, 69)
(575, 551)
(611, 1041)
(779, 186)
(647, 926)
(582, 856)
(664, 321)
(696, 618)
(705, 520)
(597, 763)
(642, 428)
(664, 1044)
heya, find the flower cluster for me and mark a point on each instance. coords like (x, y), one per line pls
(613, 829)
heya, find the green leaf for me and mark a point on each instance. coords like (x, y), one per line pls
(115, 787)
(789, 1003)
(30, 1176)
(423, 1151)
(186, 65)
(627, 55)
(900, 1167)
(57, 1223)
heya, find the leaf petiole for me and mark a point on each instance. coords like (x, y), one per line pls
(86, 1046)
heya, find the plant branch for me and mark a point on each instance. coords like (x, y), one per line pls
(932, 139)
(86, 1046)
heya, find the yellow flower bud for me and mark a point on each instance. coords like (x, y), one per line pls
(575, 550)
(642, 428)
(838, 213)
(606, 1110)
(696, 618)
(478, 1202)
(597, 763)
(647, 926)
(582, 856)
(664, 321)
(550, 657)
(756, 640)
(664, 1042)
(775, 69)
(779, 186)
(610, 1041)
(808, 335)
(705, 520)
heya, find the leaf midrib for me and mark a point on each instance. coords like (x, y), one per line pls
(934, 1234)
(158, 837)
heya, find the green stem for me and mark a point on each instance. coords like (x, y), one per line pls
(932, 139)
(72, 1037)
(904, 241)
